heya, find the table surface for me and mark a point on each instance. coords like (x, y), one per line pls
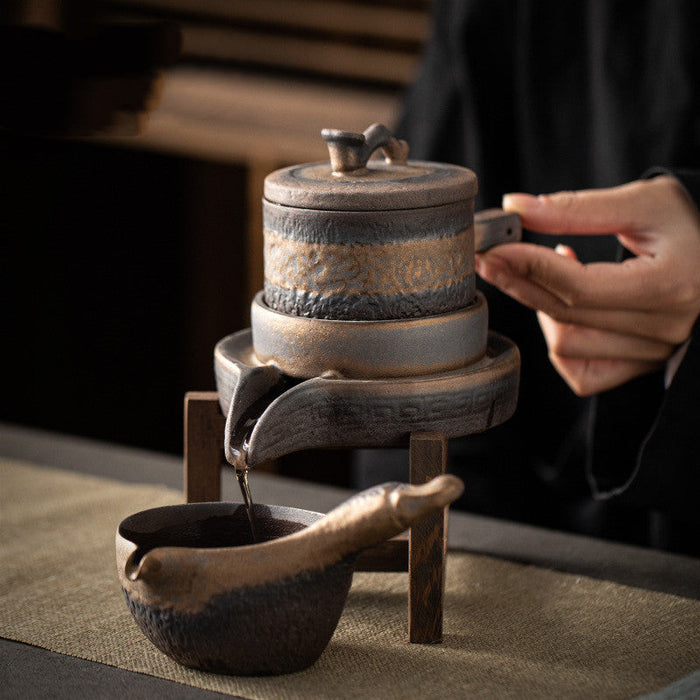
(59, 676)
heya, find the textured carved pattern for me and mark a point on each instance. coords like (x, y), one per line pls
(364, 421)
(371, 307)
(388, 268)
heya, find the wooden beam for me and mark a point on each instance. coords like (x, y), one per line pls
(427, 545)
(204, 439)
(232, 117)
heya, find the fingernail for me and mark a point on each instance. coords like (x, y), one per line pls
(519, 201)
(565, 251)
(490, 267)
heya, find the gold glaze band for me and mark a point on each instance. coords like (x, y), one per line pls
(308, 347)
(357, 269)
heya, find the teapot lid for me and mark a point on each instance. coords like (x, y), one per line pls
(353, 182)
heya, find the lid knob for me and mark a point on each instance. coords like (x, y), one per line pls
(350, 152)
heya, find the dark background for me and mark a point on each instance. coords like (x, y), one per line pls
(121, 269)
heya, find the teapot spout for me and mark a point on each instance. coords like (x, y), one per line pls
(141, 565)
(255, 389)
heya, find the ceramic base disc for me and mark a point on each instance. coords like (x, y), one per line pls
(335, 412)
(307, 347)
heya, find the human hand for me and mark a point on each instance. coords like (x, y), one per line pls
(606, 323)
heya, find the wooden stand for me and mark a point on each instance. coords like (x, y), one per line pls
(423, 554)
(427, 545)
(204, 452)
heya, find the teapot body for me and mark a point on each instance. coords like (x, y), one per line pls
(369, 263)
(386, 241)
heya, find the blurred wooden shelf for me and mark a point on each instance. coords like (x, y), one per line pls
(375, 40)
(238, 117)
(261, 78)
(260, 122)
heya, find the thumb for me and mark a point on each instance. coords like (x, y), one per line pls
(626, 209)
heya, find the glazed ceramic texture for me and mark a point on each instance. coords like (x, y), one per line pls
(275, 627)
(208, 596)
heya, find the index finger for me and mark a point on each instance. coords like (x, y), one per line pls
(629, 208)
(626, 285)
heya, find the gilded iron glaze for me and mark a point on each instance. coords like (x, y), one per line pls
(331, 279)
(385, 268)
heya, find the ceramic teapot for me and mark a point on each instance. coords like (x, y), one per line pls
(385, 244)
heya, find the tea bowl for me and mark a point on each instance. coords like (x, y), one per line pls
(208, 596)
(274, 627)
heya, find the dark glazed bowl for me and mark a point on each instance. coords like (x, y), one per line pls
(276, 627)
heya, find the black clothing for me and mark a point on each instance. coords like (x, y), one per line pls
(540, 96)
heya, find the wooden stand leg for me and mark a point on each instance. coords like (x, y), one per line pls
(204, 430)
(427, 547)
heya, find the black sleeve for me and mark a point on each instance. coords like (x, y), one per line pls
(645, 440)
(431, 116)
